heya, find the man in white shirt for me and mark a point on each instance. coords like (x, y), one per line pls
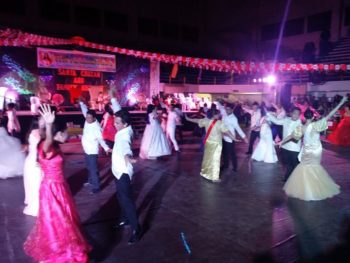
(92, 138)
(254, 125)
(173, 120)
(278, 129)
(228, 146)
(122, 170)
(291, 149)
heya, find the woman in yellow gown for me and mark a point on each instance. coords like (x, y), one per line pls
(214, 128)
(309, 180)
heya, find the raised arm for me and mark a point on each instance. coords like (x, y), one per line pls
(115, 105)
(344, 99)
(83, 107)
(191, 119)
(114, 101)
(273, 119)
(49, 118)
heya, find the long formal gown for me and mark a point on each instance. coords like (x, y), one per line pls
(154, 142)
(56, 236)
(309, 180)
(265, 150)
(11, 156)
(212, 149)
(341, 135)
(32, 175)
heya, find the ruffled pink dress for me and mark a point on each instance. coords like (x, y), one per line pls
(56, 236)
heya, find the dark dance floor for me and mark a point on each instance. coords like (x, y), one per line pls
(245, 218)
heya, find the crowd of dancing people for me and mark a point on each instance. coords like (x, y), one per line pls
(291, 135)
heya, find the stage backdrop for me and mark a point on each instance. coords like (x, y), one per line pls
(20, 74)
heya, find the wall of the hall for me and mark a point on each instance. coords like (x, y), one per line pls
(330, 89)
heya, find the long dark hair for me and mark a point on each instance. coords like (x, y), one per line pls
(57, 126)
(308, 114)
(150, 108)
(109, 109)
(33, 126)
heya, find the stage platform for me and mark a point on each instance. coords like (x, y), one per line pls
(245, 218)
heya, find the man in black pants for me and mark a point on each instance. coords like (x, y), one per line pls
(254, 125)
(290, 150)
(122, 170)
(228, 145)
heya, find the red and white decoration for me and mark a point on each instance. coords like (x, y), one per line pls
(16, 38)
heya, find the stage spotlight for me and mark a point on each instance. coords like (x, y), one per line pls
(271, 79)
(259, 80)
(254, 80)
(264, 80)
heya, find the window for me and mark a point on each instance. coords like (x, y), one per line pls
(55, 11)
(269, 32)
(190, 33)
(347, 16)
(294, 27)
(116, 21)
(148, 26)
(87, 16)
(169, 30)
(17, 7)
(319, 22)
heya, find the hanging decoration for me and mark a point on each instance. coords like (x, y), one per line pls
(16, 38)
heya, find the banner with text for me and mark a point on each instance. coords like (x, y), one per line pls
(67, 59)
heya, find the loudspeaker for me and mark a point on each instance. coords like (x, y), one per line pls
(286, 95)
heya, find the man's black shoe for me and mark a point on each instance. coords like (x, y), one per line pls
(121, 224)
(136, 235)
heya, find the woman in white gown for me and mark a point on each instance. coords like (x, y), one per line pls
(154, 142)
(32, 173)
(11, 154)
(309, 180)
(265, 150)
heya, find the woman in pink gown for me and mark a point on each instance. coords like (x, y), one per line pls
(56, 236)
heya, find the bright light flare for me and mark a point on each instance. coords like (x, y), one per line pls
(271, 79)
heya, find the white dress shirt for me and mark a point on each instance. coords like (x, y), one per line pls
(231, 123)
(92, 135)
(173, 119)
(255, 119)
(289, 127)
(122, 147)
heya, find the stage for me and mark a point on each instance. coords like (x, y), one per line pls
(245, 218)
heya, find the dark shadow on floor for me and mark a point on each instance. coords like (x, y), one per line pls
(101, 234)
(76, 181)
(153, 200)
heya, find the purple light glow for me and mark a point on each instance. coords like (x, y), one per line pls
(271, 79)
